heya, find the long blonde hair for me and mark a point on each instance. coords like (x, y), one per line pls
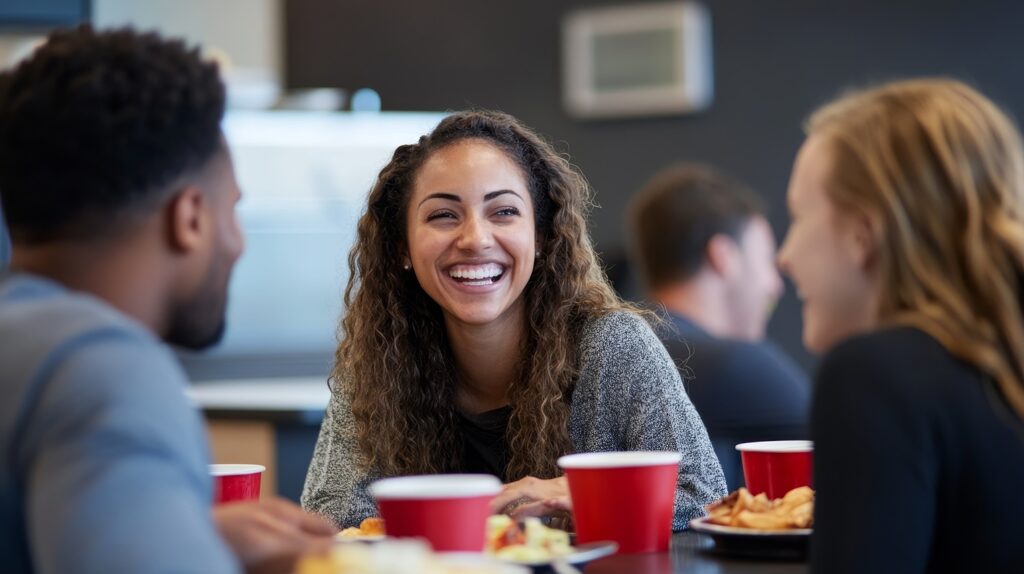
(939, 171)
(394, 362)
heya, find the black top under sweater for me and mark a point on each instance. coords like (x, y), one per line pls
(484, 449)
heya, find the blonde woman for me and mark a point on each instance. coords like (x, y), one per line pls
(907, 249)
(482, 336)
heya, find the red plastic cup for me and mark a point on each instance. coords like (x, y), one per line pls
(776, 467)
(449, 510)
(234, 482)
(627, 497)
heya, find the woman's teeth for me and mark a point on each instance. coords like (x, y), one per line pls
(476, 275)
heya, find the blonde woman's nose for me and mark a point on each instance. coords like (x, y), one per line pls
(782, 257)
(776, 285)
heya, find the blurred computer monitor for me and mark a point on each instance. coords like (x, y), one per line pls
(304, 178)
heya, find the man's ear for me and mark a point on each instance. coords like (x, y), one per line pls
(722, 254)
(187, 219)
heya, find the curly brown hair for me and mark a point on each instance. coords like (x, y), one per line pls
(394, 361)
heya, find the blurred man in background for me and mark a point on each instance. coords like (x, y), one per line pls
(707, 255)
(119, 194)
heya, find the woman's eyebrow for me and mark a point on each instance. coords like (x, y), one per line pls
(448, 196)
(491, 195)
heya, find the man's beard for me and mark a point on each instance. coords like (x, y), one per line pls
(199, 322)
(194, 339)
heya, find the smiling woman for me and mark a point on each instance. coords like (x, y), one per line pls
(482, 335)
(471, 235)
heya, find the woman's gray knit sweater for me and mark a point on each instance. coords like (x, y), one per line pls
(628, 397)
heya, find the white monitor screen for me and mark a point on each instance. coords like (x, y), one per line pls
(641, 59)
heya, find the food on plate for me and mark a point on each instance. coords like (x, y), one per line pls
(533, 542)
(744, 510)
(372, 526)
(392, 557)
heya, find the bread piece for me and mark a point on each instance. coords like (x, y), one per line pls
(372, 526)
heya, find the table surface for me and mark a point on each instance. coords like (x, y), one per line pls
(690, 553)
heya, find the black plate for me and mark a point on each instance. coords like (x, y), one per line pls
(752, 543)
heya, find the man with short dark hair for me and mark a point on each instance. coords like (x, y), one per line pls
(707, 255)
(119, 194)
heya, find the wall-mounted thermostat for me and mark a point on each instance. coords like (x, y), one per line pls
(637, 60)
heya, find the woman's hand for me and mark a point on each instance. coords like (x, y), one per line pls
(533, 497)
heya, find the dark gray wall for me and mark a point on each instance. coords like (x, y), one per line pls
(775, 60)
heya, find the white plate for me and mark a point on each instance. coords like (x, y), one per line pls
(482, 562)
(367, 538)
(704, 525)
(580, 555)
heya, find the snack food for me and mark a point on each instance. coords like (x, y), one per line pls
(533, 542)
(372, 526)
(741, 509)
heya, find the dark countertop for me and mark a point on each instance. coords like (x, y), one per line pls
(691, 553)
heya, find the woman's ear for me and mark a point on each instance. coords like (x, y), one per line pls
(863, 240)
